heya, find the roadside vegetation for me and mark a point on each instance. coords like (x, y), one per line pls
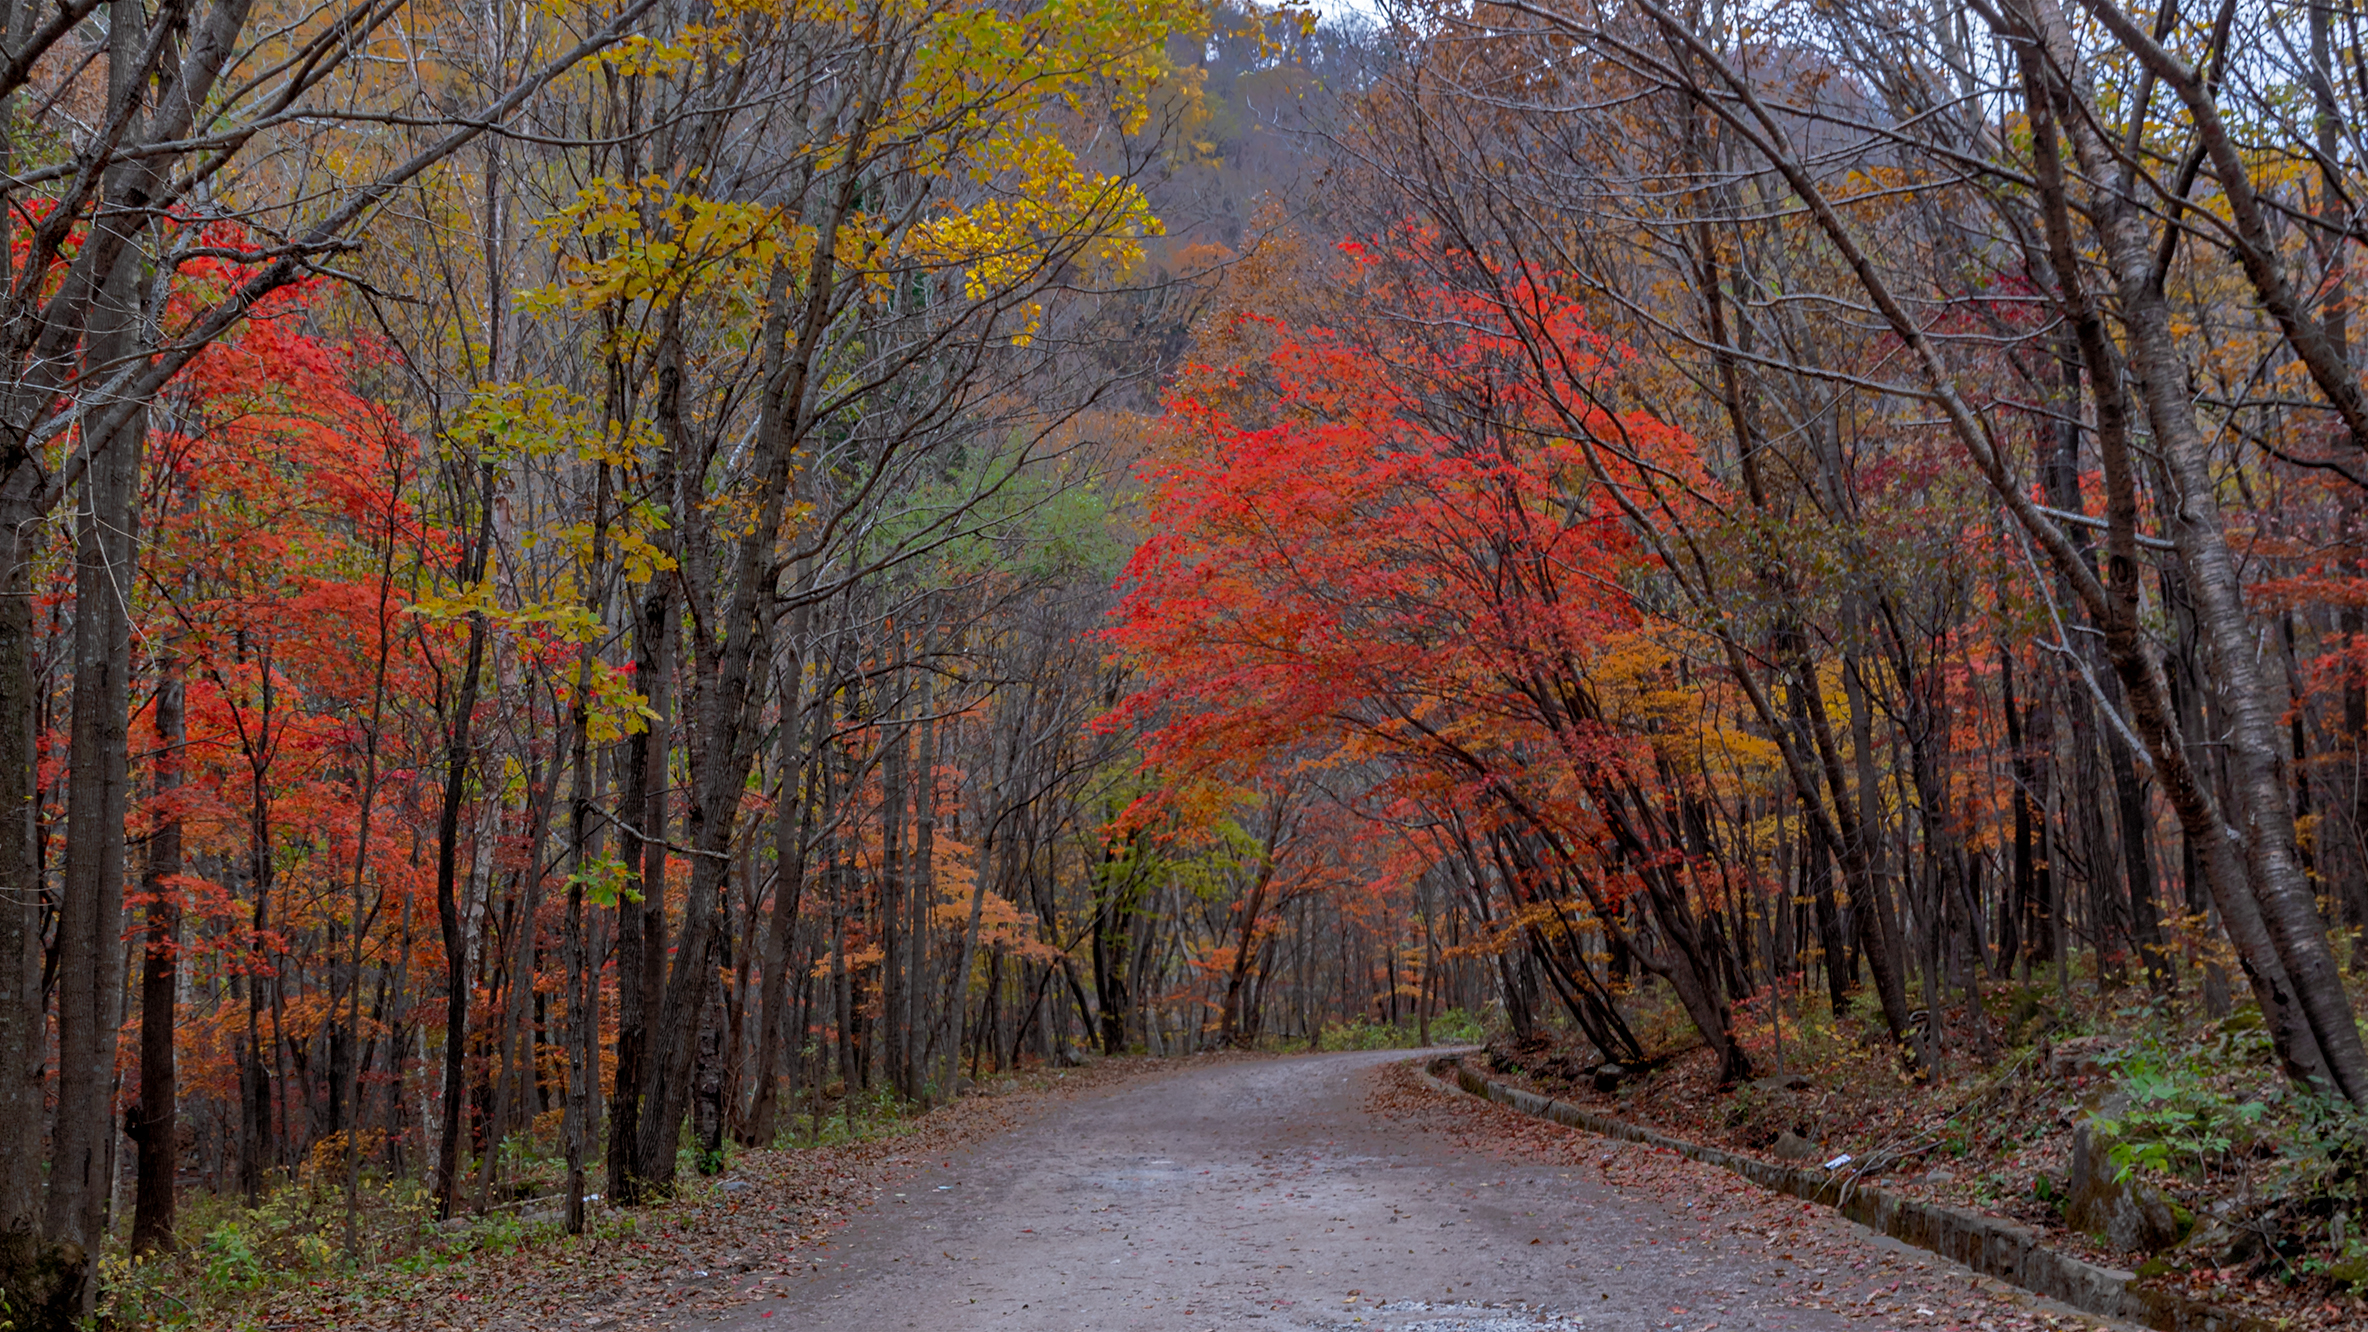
(2262, 1187)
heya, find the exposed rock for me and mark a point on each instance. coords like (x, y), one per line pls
(2350, 1271)
(1609, 1076)
(1791, 1146)
(2209, 1243)
(2079, 1057)
(2127, 1214)
(2216, 1243)
(1939, 1176)
(1783, 1082)
(1562, 1068)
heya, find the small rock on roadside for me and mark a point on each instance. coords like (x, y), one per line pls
(2079, 1057)
(2126, 1213)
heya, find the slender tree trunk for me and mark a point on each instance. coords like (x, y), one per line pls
(359, 1050)
(583, 853)
(2137, 857)
(895, 919)
(922, 868)
(641, 925)
(457, 980)
(1237, 1026)
(2016, 911)
(707, 1076)
(24, 1026)
(259, 1134)
(157, 1125)
(513, 1096)
(790, 815)
(583, 982)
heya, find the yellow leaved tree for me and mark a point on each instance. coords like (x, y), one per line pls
(808, 262)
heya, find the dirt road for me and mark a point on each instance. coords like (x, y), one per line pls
(1264, 1195)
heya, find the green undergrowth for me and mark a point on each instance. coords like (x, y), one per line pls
(303, 1231)
(1453, 1027)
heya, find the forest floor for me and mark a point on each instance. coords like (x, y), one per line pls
(1994, 1132)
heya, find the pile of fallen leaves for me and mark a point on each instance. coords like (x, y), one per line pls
(1832, 1265)
(719, 1243)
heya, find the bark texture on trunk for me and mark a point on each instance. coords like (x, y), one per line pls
(156, 1126)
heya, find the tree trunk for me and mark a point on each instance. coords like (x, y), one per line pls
(583, 984)
(157, 1125)
(641, 924)
(790, 818)
(457, 981)
(90, 913)
(733, 642)
(24, 1026)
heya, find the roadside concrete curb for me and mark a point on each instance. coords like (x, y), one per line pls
(1987, 1244)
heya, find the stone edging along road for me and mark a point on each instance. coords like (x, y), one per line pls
(1987, 1244)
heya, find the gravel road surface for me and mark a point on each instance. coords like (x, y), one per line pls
(1264, 1195)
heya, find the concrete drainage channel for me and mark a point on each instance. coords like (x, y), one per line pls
(1987, 1244)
